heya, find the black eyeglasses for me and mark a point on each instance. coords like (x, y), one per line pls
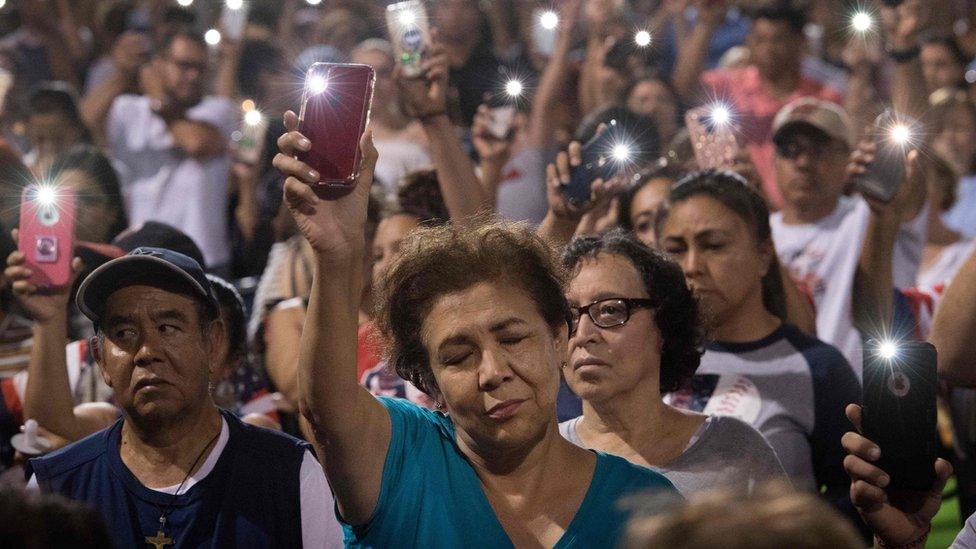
(608, 313)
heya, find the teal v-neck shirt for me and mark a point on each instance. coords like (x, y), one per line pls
(431, 497)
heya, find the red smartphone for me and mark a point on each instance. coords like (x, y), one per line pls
(334, 113)
(47, 234)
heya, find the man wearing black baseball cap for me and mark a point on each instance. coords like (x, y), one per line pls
(175, 469)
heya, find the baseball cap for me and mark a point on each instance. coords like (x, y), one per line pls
(154, 234)
(822, 115)
(156, 267)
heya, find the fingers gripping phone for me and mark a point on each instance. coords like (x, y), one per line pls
(47, 234)
(410, 34)
(899, 410)
(886, 172)
(602, 157)
(334, 114)
(713, 139)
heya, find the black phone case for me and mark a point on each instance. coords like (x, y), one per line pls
(595, 163)
(885, 174)
(899, 412)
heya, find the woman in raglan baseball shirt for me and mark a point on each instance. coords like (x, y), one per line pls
(791, 387)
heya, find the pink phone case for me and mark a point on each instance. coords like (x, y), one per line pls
(46, 238)
(715, 148)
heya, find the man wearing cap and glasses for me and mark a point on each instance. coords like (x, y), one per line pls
(175, 470)
(819, 232)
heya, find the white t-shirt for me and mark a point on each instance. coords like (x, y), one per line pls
(949, 262)
(397, 158)
(823, 256)
(161, 183)
(320, 528)
(522, 190)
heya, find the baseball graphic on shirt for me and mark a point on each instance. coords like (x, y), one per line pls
(899, 384)
(735, 396)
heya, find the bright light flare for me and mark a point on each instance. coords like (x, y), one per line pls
(212, 37)
(621, 152)
(862, 21)
(720, 115)
(185, 3)
(888, 350)
(901, 134)
(514, 88)
(407, 18)
(642, 38)
(313, 2)
(318, 84)
(234, 4)
(549, 20)
(46, 195)
(253, 117)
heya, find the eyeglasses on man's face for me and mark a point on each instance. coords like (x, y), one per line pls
(607, 313)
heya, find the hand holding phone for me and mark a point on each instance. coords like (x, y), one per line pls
(410, 34)
(899, 410)
(47, 233)
(334, 114)
(712, 137)
(602, 157)
(885, 174)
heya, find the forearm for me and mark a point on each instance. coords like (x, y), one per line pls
(553, 80)
(491, 177)
(225, 84)
(197, 139)
(96, 105)
(328, 388)
(588, 81)
(954, 325)
(557, 231)
(691, 61)
(463, 194)
(799, 310)
(48, 398)
(872, 299)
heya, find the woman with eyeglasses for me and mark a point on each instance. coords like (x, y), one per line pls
(791, 387)
(635, 336)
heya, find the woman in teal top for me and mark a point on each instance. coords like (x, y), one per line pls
(475, 317)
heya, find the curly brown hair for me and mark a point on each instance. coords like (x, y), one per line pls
(439, 260)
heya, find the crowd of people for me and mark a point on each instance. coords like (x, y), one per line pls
(462, 351)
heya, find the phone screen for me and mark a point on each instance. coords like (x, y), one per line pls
(899, 410)
(47, 231)
(714, 142)
(334, 113)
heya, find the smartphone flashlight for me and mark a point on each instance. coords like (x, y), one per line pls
(234, 4)
(888, 350)
(720, 115)
(549, 20)
(253, 117)
(212, 37)
(514, 88)
(407, 18)
(45, 195)
(901, 134)
(317, 84)
(621, 152)
(862, 21)
(185, 3)
(642, 38)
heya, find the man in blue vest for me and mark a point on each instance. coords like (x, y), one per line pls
(175, 470)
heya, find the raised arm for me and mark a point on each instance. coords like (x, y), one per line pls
(903, 25)
(130, 51)
(351, 430)
(425, 99)
(692, 54)
(554, 80)
(48, 398)
(872, 299)
(954, 325)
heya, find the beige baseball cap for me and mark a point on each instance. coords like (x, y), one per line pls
(823, 115)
